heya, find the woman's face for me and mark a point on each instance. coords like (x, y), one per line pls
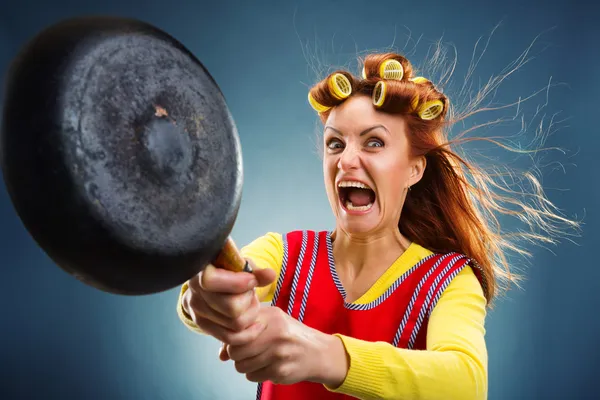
(367, 166)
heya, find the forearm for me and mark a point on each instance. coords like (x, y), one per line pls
(381, 371)
(454, 366)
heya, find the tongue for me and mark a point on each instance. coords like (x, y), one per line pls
(360, 197)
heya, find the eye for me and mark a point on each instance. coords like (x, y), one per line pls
(334, 144)
(374, 143)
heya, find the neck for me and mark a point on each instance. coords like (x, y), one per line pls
(373, 253)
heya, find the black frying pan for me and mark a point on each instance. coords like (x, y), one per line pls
(120, 155)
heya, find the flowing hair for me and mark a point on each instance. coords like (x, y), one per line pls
(458, 205)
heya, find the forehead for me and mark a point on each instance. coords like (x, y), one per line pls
(358, 113)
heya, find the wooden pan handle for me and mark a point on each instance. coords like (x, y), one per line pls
(231, 259)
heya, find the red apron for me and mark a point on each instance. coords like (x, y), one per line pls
(309, 290)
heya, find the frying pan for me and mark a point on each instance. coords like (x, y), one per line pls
(120, 155)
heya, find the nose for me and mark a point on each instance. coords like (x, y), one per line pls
(349, 159)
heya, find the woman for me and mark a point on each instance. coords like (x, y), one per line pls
(391, 304)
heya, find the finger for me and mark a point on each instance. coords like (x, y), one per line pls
(237, 316)
(274, 372)
(248, 351)
(223, 352)
(233, 306)
(218, 280)
(228, 336)
(264, 276)
(254, 364)
(186, 299)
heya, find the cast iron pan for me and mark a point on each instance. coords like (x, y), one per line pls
(120, 155)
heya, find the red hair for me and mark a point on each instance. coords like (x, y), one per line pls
(456, 204)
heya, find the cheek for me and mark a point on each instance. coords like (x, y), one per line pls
(394, 185)
(390, 176)
(329, 165)
(329, 172)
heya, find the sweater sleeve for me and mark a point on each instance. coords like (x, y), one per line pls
(454, 365)
(265, 252)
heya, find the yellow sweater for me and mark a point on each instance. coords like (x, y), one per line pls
(454, 366)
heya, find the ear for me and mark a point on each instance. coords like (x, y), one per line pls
(417, 170)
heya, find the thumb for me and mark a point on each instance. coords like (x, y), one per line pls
(264, 276)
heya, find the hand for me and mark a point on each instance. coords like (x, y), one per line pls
(287, 351)
(222, 302)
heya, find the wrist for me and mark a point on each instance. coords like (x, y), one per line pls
(332, 362)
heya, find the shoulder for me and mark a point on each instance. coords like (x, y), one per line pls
(269, 251)
(278, 239)
(300, 238)
(466, 279)
(274, 238)
(266, 249)
(459, 302)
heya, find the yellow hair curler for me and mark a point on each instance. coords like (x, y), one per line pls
(364, 73)
(414, 103)
(391, 69)
(419, 80)
(379, 93)
(339, 86)
(431, 110)
(316, 105)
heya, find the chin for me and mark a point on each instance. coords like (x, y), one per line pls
(361, 221)
(357, 227)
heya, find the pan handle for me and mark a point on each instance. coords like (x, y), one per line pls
(231, 259)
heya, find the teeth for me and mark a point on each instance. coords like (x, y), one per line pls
(353, 184)
(351, 207)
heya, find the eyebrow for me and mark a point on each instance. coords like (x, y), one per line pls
(362, 133)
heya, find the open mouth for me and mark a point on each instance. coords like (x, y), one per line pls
(356, 196)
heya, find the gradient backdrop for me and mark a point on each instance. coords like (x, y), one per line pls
(62, 340)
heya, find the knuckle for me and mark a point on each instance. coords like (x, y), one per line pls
(208, 277)
(192, 315)
(245, 336)
(228, 309)
(236, 310)
(189, 295)
(280, 353)
(282, 373)
(254, 334)
(237, 305)
(228, 337)
(277, 314)
(204, 280)
(196, 304)
(239, 323)
(210, 303)
(185, 301)
(235, 340)
(239, 367)
(233, 352)
(194, 282)
(286, 333)
(198, 320)
(238, 285)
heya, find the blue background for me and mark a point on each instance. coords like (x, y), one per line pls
(60, 339)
